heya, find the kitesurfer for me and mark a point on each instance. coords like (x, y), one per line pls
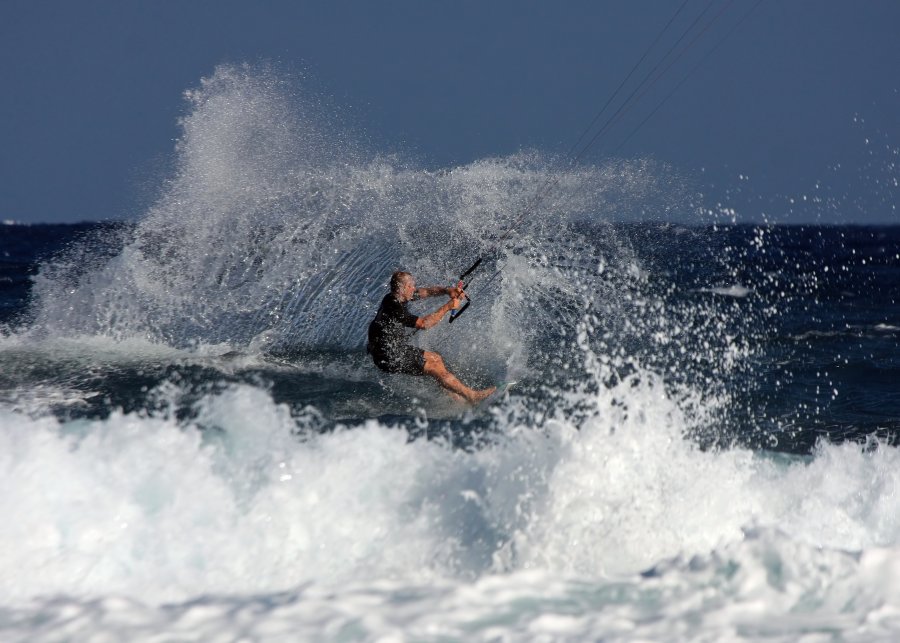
(388, 341)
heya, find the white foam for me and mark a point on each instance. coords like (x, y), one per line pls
(762, 588)
(143, 506)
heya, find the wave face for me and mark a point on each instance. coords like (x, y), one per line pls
(194, 442)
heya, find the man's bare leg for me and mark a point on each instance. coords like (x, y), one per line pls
(434, 366)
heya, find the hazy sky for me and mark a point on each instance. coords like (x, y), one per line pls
(803, 93)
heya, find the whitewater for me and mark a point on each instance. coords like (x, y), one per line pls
(195, 446)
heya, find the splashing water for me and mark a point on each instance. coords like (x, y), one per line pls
(589, 504)
(275, 227)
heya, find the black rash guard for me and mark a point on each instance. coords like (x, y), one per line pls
(388, 339)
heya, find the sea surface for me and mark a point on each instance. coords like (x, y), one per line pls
(194, 445)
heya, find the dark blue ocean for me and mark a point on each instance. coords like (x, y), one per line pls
(194, 445)
(813, 308)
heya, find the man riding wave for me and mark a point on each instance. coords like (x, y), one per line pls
(388, 339)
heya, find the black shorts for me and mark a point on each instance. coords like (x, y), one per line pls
(403, 359)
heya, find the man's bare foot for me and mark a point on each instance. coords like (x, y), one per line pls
(478, 396)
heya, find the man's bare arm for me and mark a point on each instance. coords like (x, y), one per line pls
(432, 320)
(435, 291)
(431, 291)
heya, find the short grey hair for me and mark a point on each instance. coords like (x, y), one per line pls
(398, 279)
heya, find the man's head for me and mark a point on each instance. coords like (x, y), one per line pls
(403, 285)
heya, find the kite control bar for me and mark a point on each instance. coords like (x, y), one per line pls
(456, 313)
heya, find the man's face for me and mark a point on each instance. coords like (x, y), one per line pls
(409, 287)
